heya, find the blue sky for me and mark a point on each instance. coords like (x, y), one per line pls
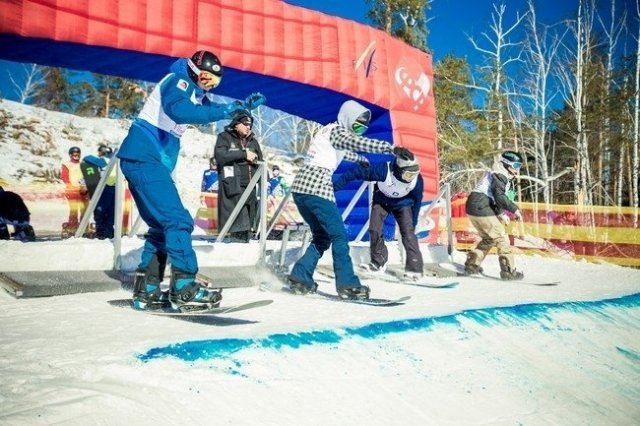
(452, 21)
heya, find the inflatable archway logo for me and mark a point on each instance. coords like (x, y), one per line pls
(411, 80)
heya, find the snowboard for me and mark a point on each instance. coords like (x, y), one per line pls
(368, 302)
(126, 303)
(460, 271)
(397, 276)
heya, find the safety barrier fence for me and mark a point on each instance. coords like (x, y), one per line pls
(591, 233)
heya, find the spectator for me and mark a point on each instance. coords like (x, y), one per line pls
(75, 189)
(277, 184)
(237, 152)
(210, 177)
(105, 209)
(13, 211)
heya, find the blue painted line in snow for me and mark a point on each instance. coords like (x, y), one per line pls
(538, 313)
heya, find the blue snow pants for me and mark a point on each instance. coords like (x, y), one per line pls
(170, 224)
(327, 228)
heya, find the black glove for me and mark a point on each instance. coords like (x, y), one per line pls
(403, 153)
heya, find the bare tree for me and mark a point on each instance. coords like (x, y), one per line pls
(542, 44)
(636, 123)
(612, 34)
(31, 80)
(496, 68)
(573, 90)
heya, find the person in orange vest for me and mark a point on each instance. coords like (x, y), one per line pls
(75, 189)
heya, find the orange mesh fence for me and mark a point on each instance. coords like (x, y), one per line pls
(595, 233)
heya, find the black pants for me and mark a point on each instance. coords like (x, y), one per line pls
(404, 218)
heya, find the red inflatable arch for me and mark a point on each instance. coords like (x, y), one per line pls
(305, 62)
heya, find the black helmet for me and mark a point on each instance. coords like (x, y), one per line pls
(74, 150)
(203, 60)
(105, 150)
(511, 159)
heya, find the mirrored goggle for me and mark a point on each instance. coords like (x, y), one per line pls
(409, 175)
(516, 165)
(209, 80)
(359, 128)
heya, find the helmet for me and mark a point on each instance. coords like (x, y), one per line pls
(511, 159)
(405, 166)
(74, 150)
(105, 150)
(203, 60)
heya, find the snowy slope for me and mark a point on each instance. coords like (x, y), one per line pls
(484, 352)
(76, 360)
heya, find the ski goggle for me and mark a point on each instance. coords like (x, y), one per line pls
(359, 128)
(515, 165)
(209, 80)
(409, 175)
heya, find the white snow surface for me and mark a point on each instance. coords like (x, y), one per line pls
(74, 359)
(444, 359)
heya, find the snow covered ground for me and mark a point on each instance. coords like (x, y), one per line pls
(484, 352)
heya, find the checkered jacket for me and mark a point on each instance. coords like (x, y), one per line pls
(316, 180)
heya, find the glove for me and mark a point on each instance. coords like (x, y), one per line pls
(363, 162)
(403, 153)
(254, 100)
(233, 108)
(518, 215)
(504, 218)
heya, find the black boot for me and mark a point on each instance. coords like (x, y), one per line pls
(354, 293)
(507, 272)
(146, 285)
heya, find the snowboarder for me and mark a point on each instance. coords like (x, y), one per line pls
(237, 152)
(148, 155)
(277, 184)
(398, 190)
(314, 196)
(486, 208)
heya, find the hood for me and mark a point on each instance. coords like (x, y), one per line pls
(498, 167)
(349, 112)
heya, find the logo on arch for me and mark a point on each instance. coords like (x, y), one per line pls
(413, 84)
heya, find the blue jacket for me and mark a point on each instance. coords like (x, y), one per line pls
(175, 102)
(377, 172)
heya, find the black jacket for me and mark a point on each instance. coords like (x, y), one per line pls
(235, 172)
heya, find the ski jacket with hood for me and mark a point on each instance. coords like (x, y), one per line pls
(332, 144)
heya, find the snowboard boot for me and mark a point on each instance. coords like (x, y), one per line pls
(372, 268)
(147, 294)
(188, 294)
(4, 232)
(24, 233)
(507, 272)
(411, 277)
(300, 288)
(354, 293)
(470, 265)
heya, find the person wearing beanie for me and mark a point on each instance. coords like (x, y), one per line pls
(237, 153)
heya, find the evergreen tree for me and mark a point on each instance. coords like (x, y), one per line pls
(55, 94)
(403, 19)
